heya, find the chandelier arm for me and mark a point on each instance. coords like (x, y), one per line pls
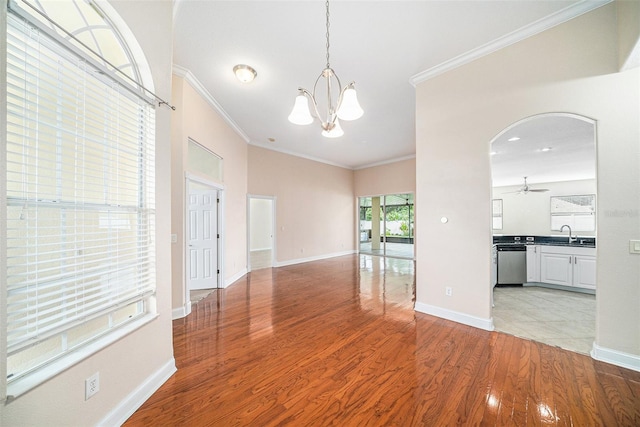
(313, 101)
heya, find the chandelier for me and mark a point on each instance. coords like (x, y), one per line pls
(345, 108)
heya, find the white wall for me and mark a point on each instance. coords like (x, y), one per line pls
(260, 224)
(146, 354)
(570, 68)
(530, 214)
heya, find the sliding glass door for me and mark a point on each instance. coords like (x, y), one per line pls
(386, 225)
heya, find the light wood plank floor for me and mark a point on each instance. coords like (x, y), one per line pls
(336, 342)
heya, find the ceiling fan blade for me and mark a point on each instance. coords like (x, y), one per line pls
(538, 190)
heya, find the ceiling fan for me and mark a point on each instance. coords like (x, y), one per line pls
(525, 189)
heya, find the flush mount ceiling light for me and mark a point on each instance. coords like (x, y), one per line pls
(515, 138)
(345, 108)
(244, 73)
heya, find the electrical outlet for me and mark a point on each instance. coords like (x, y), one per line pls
(91, 385)
(448, 291)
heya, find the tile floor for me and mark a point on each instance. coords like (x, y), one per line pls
(561, 318)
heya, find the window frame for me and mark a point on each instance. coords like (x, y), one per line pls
(572, 216)
(14, 388)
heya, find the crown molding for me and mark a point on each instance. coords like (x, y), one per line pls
(527, 31)
(386, 162)
(302, 156)
(202, 91)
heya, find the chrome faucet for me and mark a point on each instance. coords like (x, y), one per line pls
(571, 238)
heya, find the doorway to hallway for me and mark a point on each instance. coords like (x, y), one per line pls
(261, 219)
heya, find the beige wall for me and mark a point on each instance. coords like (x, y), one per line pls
(127, 364)
(531, 214)
(194, 118)
(315, 207)
(570, 68)
(390, 178)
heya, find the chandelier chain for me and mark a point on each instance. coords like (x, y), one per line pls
(328, 34)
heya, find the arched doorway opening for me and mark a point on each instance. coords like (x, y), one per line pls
(544, 230)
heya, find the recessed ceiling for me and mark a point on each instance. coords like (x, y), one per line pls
(379, 44)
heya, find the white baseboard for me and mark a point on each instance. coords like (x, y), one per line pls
(314, 258)
(456, 316)
(180, 312)
(239, 275)
(615, 357)
(118, 415)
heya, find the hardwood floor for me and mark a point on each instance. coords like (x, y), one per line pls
(336, 342)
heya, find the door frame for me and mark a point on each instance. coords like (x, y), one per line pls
(219, 226)
(273, 228)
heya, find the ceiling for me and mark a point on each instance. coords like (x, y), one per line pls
(549, 148)
(384, 46)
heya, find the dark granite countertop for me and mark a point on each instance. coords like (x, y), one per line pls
(581, 242)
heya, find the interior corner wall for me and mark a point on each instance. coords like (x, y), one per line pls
(199, 121)
(573, 68)
(127, 366)
(315, 209)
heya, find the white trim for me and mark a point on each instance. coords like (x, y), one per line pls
(313, 258)
(180, 312)
(66, 361)
(532, 29)
(303, 156)
(385, 162)
(130, 404)
(231, 280)
(456, 316)
(202, 91)
(615, 357)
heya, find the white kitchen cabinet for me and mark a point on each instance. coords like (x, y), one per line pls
(568, 266)
(533, 263)
(584, 271)
(556, 269)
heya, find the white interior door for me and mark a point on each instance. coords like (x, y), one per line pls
(202, 240)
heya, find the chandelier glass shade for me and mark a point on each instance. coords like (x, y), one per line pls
(346, 106)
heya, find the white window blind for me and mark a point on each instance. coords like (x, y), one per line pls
(80, 249)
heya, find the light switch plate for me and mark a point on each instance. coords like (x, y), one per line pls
(634, 246)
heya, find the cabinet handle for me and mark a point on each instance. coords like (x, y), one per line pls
(570, 259)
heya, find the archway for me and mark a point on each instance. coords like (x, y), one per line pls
(544, 181)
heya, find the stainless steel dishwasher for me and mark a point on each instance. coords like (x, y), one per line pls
(512, 264)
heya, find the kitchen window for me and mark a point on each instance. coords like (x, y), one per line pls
(578, 212)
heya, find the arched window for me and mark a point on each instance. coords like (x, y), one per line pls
(80, 210)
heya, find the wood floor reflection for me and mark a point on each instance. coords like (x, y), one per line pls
(336, 342)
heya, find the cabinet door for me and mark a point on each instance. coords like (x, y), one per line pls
(533, 263)
(584, 271)
(556, 269)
